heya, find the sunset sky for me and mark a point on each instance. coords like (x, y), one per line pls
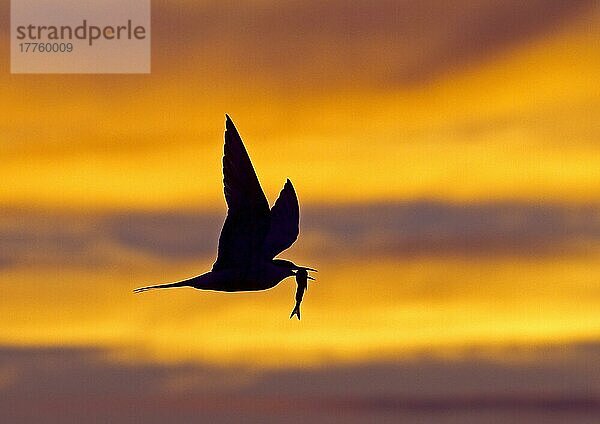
(446, 157)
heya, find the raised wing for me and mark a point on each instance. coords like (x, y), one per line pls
(247, 222)
(285, 218)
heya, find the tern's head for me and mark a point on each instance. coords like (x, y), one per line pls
(298, 271)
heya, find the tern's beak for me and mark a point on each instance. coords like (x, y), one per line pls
(310, 278)
(298, 268)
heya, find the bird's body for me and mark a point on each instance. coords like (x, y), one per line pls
(252, 234)
(261, 277)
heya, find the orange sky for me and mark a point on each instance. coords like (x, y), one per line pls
(360, 107)
(516, 120)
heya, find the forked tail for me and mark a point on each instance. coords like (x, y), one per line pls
(183, 283)
(198, 282)
(296, 311)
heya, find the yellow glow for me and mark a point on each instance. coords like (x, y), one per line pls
(521, 125)
(359, 310)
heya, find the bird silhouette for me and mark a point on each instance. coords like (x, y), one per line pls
(252, 234)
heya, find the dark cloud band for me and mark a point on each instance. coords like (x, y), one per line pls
(70, 384)
(35, 238)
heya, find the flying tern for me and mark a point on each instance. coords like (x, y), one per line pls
(252, 234)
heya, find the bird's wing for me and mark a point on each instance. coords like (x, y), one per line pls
(285, 218)
(247, 222)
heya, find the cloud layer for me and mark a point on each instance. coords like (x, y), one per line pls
(319, 43)
(70, 384)
(32, 237)
(384, 43)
